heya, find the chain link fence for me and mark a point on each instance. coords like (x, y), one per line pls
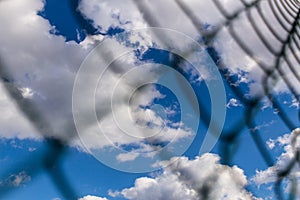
(277, 32)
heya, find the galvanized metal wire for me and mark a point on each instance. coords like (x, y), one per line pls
(283, 56)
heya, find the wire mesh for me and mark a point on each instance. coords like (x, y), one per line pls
(282, 57)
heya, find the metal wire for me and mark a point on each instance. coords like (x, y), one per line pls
(285, 57)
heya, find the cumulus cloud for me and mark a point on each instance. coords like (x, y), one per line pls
(201, 178)
(235, 58)
(115, 13)
(34, 68)
(288, 143)
(44, 67)
(125, 110)
(107, 14)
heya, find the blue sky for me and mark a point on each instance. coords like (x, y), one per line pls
(53, 47)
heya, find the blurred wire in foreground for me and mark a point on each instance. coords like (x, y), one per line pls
(283, 57)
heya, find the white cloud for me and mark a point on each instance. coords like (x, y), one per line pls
(191, 179)
(121, 111)
(45, 69)
(200, 178)
(115, 13)
(264, 177)
(15, 180)
(89, 197)
(127, 156)
(106, 14)
(266, 103)
(113, 193)
(10, 116)
(295, 104)
(40, 53)
(271, 143)
(265, 125)
(91, 40)
(236, 59)
(269, 175)
(32, 149)
(46, 65)
(233, 103)
(40, 63)
(27, 93)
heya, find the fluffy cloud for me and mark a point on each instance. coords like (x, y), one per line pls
(168, 14)
(106, 14)
(125, 110)
(289, 143)
(44, 67)
(115, 13)
(201, 178)
(236, 58)
(89, 197)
